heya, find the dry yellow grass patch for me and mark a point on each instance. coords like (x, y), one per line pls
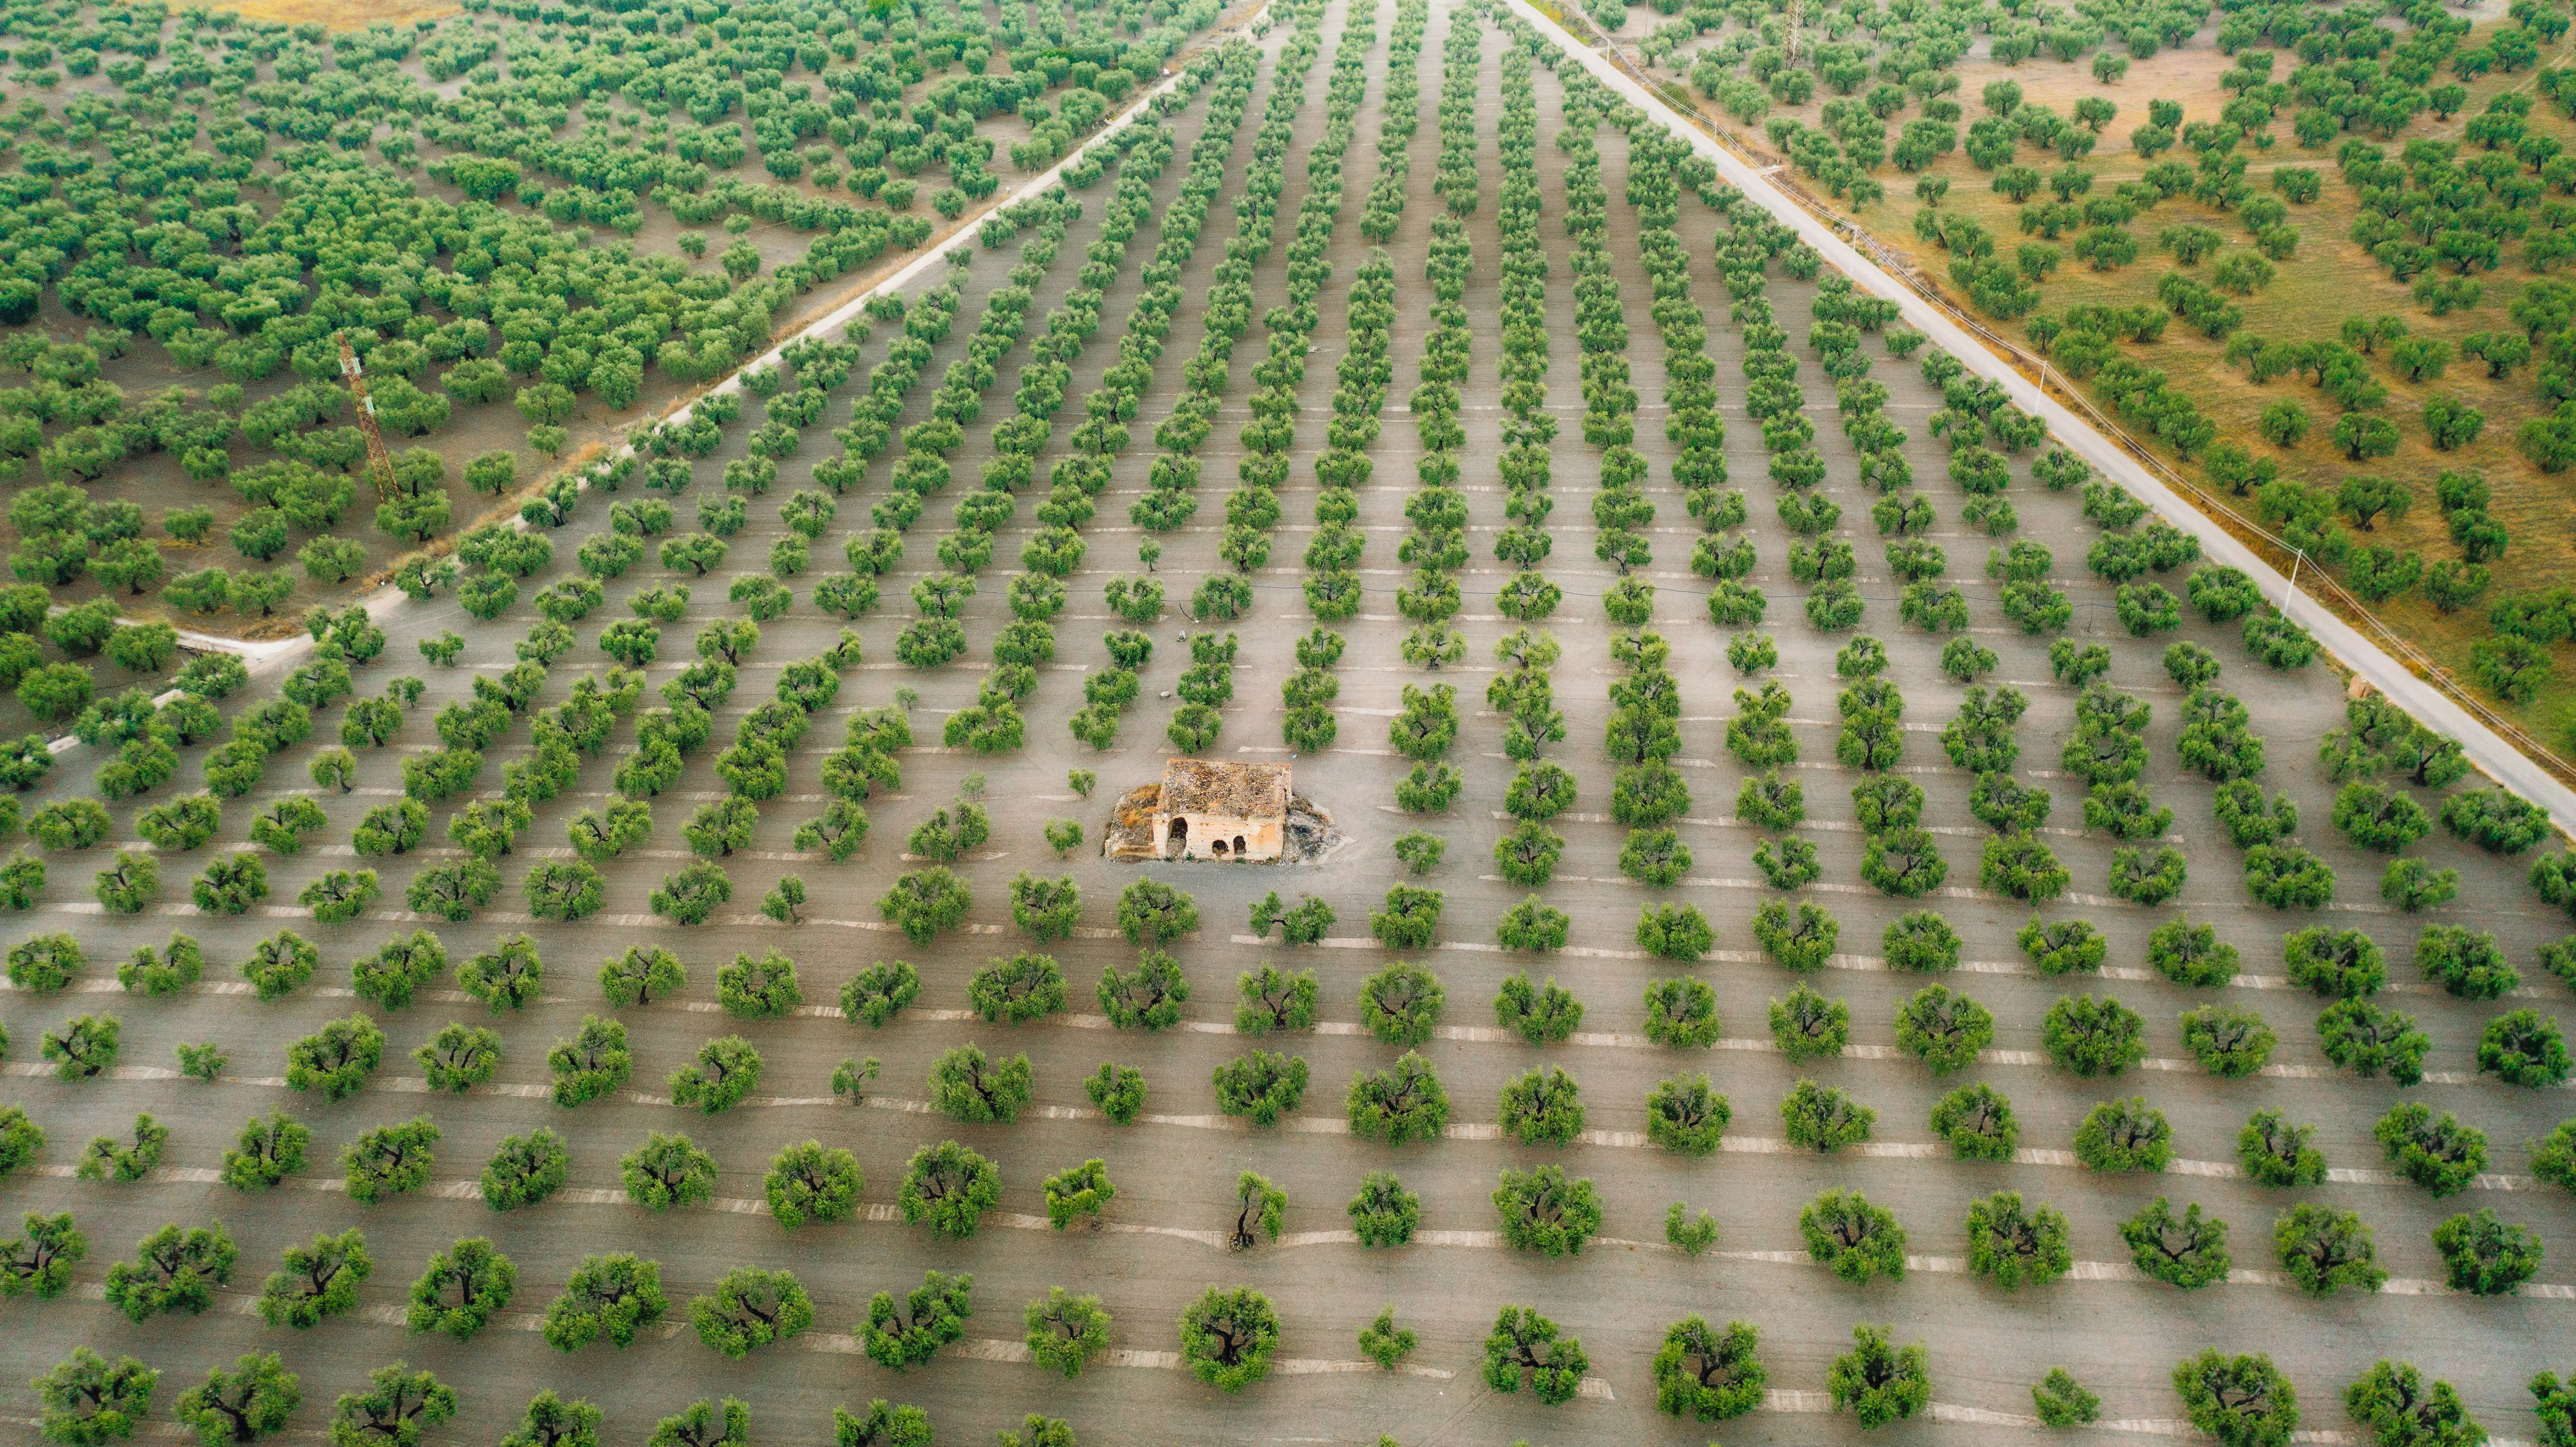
(341, 14)
(2189, 75)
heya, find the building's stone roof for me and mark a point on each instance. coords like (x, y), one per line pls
(1239, 791)
(1131, 824)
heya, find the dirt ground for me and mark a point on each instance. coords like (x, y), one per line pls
(1175, 1170)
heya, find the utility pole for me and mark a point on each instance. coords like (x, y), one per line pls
(380, 461)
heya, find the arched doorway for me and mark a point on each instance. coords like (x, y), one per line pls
(1217, 848)
(1238, 846)
(1176, 842)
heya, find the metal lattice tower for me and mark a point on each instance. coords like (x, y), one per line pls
(380, 460)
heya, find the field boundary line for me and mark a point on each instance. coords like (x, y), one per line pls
(887, 1213)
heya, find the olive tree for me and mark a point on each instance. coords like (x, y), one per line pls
(1228, 1337)
(750, 1308)
(721, 1076)
(808, 1182)
(166, 971)
(174, 1269)
(1118, 1091)
(1047, 909)
(2485, 1254)
(706, 1422)
(526, 1169)
(1709, 1374)
(1384, 1214)
(1401, 1003)
(550, 1421)
(1148, 997)
(21, 1139)
(84, 1048)
(641, 976)
(2523, 1047)
(2467, 963)
(1019, 989)
(666, 1171)
(391, 1160)
(1527, 1349)
(1854, 1238)
(2013, 1245)
(461, 1289)
(611, 1298)
(1877, 1381)
(1545, 1211)
(1065, 1330)
(907, 1333)
(2436, 1152)
(2124, 1135)
(2061, 1401)
(460, 1057)
(2060, 947)
(925, 902)
(1275, 1000)
(1542, 1107)
(2326, 1250)
(1078, 1191)
(87, 1399)
(592, 1064)
(1385, 1343)
(2278, 1153)
(2243, 1401)
(971, 1087)
(2398, 1406)
(1943, 1030)
(889, 1425)
(948, 1188)
(1261, 1085)
(1977, 1121)
(1681, 1013)
(762, 988)
(1404, 1102)
(1260, 1212)
(2187, 1250)
(269, 1151)
(1686, 1116)
(252, 1399)
(39, 1261)
(399, 1405)
(2093, 1037)
(2229, 1042)
(1152, 913)
(1823, 1118)
(1806, 1025)
(337, 1059)
(317, 1281)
